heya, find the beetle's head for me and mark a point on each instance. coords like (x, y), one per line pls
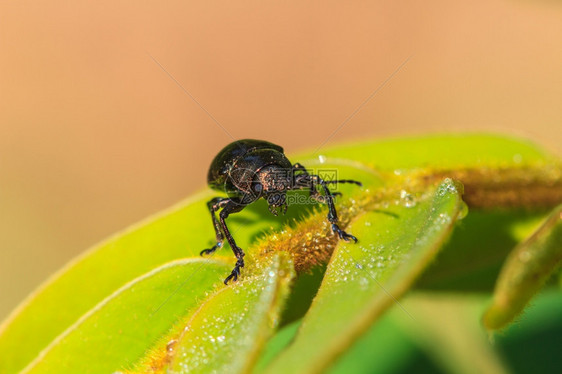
(273, 182)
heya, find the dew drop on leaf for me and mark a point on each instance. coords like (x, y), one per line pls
(463, 212)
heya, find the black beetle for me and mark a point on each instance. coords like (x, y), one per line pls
(249, 169)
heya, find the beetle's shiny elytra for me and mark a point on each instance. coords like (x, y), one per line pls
(250, 169)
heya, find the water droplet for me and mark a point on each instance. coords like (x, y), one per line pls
(407, 199)
(170, 345)
(448, 186)
(322, 159)
(463, 211)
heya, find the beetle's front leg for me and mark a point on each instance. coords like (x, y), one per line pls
(214, 205)
(332, 214)
(232, 206)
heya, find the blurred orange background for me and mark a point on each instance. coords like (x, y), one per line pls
(95, 135)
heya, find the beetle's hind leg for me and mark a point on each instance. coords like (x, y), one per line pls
(214, 205)
(332, 214)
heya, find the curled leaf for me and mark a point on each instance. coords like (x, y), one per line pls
(526, 269)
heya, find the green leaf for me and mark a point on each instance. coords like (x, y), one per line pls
(496, 171)
(231, 327)
(364, 280)
(525, 271)
(441, 151)
(95, 275)
(179, 232)
(118, 331)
